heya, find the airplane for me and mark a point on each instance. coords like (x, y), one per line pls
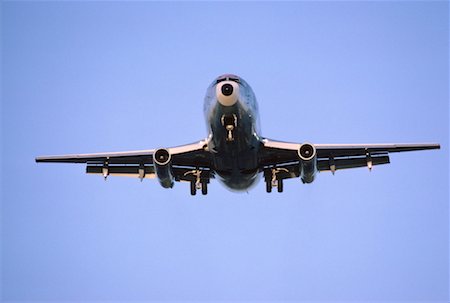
(234, 151)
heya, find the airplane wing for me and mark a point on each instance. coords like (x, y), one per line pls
(139, 163)
(332, 157)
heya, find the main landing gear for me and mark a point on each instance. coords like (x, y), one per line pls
(203, 186)
(278, 184)
(274, 178)
(198, 181)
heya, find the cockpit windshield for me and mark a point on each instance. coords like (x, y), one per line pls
(233, 78)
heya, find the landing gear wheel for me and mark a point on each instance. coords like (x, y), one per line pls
(193, 189)
(280, 185)
(204, 188)
(268, 186)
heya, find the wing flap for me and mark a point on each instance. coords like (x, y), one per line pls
(291, 170)
(351, 162)
(337, 150)
(122, 171)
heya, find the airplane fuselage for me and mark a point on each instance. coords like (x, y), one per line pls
(234, 134)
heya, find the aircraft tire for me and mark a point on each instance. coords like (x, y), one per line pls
(204, 188)
(280, 185)
(268, 186)
(193, 189)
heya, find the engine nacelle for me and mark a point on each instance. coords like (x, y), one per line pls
(308, 162)
(163, 167)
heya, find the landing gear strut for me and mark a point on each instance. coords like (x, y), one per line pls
(230, 123)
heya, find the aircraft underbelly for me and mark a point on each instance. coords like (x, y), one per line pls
(236, 163)
(237, 172)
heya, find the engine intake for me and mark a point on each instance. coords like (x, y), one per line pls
(308, 162)
(163, 167)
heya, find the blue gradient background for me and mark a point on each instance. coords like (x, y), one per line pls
(91, 77)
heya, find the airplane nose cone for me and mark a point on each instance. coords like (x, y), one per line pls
(227, 93)
(227, 89)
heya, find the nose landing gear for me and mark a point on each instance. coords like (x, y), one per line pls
(230, 123)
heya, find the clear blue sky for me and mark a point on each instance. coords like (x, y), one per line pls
(91, 77)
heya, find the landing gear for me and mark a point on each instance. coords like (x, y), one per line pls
(278, 184)
(203, 186)
(274, 178)
(198, 180)
(230, 123)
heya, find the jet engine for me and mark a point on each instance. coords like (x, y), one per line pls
(308, 162)
(163, 167)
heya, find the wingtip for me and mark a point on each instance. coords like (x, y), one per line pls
(434, 146)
